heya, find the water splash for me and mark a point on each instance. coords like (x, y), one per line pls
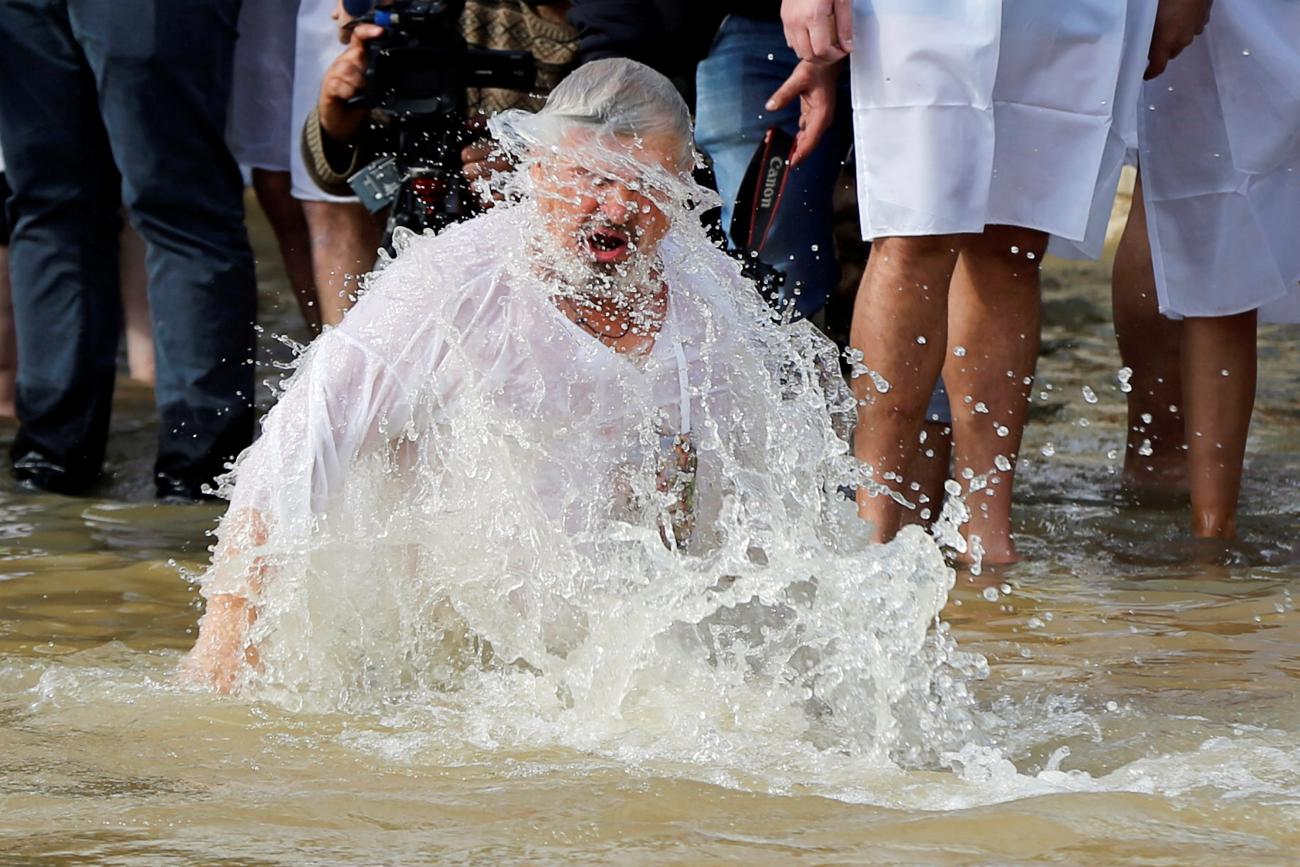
(467, 498)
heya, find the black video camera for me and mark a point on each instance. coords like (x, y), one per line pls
(416, 75)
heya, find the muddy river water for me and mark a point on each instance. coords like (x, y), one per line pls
(1147, 690)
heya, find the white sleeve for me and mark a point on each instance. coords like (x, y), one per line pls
(342, 401)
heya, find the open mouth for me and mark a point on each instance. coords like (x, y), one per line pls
(608, 244)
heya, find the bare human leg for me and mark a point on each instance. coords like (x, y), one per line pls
(8, 340)
(134, 279)
(1218, 369)
(929, 470)
(994, 315)
(900, 324)
(285, 214)
(344, 241)
(1155, 459)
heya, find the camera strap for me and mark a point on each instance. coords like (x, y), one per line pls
(761, 191)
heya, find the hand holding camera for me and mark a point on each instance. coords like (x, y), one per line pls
(345, 80)
(408, 65)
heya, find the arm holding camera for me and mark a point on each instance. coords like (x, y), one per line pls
(338, 139)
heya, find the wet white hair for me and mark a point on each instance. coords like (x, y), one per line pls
(613, 98)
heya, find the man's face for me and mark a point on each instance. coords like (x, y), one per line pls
(601, 210)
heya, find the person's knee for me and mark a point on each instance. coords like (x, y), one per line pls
(272, 185)
(337, 219)
(1010, 244)
(274, 195)
(917, 250)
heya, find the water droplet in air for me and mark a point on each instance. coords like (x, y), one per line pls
(1125, 375)
(815, 247)
(771, 57)
(1223, 373)
(921, 340)
(981, 407)
(990, 594)
(1002, 430)
(1145, 449)
(1245, 52)
(952, 487)
(1112, 706)
(1146, 418)
(1002, 463)
(1089, 395)
(959, 351)
(1048, 450)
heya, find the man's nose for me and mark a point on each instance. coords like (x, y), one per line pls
(616, 204)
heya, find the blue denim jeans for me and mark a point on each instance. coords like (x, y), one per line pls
(106, 104)
(749, 60)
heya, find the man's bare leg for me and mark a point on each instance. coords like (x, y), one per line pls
(900, 325)
(929, 470)
(994, 314)
(8, 341)
(133, 276)
(1155, 455)
(1219, 368)
(344, 244)
(285, 214)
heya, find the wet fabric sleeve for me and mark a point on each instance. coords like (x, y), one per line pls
(343, 400)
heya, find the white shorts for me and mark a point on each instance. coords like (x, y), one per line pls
(1220, 160)
(317, 47)
(259, 130)
(969, 113)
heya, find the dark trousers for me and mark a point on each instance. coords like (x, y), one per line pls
(105, 103)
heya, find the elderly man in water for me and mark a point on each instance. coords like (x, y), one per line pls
(531, 408)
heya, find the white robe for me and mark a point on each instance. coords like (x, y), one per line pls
(969, 113)
(1220, 160)
(458, 438)
(316, 47)
(259, 130)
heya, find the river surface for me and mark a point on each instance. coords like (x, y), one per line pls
(1146, 689)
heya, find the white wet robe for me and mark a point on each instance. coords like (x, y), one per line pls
(1220, 160)
(316, 46)
(259, 130)
(968, 113)
(459, 437)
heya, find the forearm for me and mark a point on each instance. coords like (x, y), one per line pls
(232, 585)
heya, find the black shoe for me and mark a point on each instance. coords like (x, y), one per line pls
(35, 472)
(176, 490)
